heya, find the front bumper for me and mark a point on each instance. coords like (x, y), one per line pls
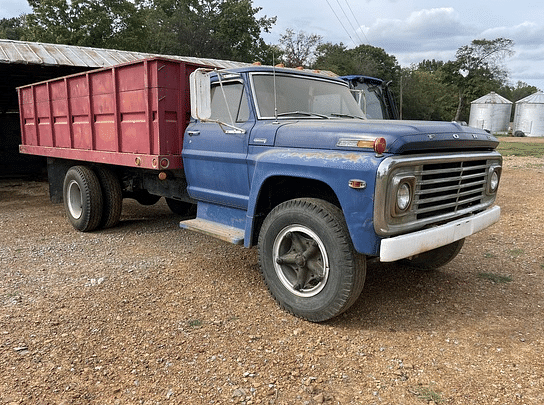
(411, 244)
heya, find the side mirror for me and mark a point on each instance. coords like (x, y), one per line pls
(199, 82)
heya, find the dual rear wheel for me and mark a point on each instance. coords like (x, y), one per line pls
(92, 198)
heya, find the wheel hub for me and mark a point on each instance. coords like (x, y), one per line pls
(301, 261)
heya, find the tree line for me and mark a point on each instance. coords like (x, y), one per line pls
(231, 30)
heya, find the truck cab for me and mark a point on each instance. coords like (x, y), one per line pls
(288, 161)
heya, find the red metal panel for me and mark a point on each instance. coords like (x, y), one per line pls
(133, 114)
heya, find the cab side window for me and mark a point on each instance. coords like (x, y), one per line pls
(231, 97)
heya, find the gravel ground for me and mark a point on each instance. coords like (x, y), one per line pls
(146, 313)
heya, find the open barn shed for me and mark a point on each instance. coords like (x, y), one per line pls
(22, 63)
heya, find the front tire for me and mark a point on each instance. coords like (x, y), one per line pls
(82, 198)
(308, 261)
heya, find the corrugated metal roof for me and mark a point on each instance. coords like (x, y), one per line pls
(535, 98)
(69, 55)
(492, 98)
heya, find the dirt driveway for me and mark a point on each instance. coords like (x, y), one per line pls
(146, 313)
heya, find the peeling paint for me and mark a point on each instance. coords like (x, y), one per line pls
(327, 155)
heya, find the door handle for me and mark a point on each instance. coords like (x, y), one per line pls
(193, 133)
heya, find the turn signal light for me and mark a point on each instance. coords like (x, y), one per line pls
(380, 145)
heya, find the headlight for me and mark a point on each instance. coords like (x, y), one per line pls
(494, 183)
(493, 179)
(404, 197)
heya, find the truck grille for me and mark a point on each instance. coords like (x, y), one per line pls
(444, 188)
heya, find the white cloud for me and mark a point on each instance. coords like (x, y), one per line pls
(524, 34)
(438, 29)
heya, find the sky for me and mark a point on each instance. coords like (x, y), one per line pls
(414, 30)
(410, 30)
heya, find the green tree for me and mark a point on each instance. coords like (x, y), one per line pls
(364, 60)
(477, 69)
(221, 29)
(12, 28)
(373, 61)
(425, 96)
(517, 92)
(94, 23)
(239, 30)
(299, 48)
(334, 57)
(432, 66)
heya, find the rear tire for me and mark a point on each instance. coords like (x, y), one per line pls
(112, 195)
(308, 261)
(433, 259)
(83, 200)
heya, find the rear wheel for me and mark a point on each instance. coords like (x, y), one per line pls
(112, 195)
(433, 259)
(83, 201)
(308, 261)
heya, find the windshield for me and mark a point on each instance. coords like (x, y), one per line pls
(302, 97)
(370, 98)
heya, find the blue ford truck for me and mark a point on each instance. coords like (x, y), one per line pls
(281, 159)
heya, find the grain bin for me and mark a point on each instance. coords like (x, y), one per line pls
(529, 115)
(490, 112)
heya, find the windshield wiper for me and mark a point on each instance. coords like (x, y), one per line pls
(347, 116)
(305, 113)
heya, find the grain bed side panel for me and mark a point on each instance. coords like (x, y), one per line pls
(132, 114)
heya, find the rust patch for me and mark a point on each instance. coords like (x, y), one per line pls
(352, 157)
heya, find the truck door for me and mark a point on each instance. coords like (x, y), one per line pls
(215, 155)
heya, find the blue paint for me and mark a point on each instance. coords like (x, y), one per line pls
(226, 172)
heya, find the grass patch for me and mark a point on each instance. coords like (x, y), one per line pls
(195, 323)
(516, 252)
(489, 255)
(428, 394)
(521, 149)
(496, 278)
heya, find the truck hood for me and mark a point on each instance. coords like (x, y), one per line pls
(401, 136)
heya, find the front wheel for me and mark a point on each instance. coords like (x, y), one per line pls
(308, 261)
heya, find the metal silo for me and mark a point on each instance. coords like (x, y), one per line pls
(529, 115)
(491, 112)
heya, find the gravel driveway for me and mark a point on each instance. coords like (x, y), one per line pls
(146, 313)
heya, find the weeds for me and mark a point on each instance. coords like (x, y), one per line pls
(516, 252)
(489, 255)
(195, 323)
(428, 394)
(496, 278)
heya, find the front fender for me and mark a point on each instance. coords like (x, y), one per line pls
(333, 168)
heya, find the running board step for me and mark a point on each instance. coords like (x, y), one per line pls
(224, 232)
